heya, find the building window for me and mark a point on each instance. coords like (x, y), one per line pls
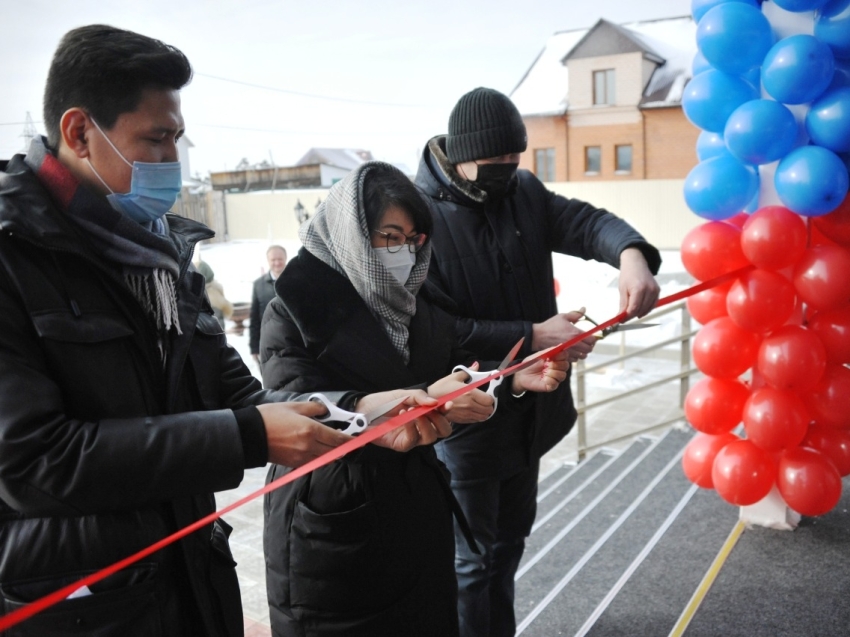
(603, 87)
(592, 160)
(624, 159)
(544, 164)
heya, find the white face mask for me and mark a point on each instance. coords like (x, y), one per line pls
(399, 264)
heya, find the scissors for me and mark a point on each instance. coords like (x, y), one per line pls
(494, 383)
(357, 422)
(619, 327)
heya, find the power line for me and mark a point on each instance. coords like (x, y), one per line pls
(302, 132)
(318, 96)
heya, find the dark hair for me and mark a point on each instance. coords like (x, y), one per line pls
(384, 186)
(104, 71)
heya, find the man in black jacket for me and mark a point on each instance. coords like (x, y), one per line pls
(122, 408)
(495, 229)
(263, 293)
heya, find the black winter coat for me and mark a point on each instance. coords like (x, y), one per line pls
(495, 264)
(102, 452)
(261, 296)
(364, 546)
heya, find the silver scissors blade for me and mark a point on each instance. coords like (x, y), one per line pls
(621, 327)
(384, 409)
(511, 355)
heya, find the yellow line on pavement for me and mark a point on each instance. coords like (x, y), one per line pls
(710, 575)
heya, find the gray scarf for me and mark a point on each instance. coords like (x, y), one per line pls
(147, 254)
(338, 236)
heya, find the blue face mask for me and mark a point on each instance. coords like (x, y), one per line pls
(153, 187)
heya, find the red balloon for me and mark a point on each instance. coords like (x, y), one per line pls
(774, 238)
(742, 473)
(822, 277)
(818, 238)
(828, 401)
(712, 249)
(714, 405)
(738, 220)
(709, 304)
(836, 225)
(761, 300)
(833, 329)
(724, 350)
(792, 357)
(775, 419)
(808, 481)
(834, 443)
(699, 455)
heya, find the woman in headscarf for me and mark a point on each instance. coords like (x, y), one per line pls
(365, 546)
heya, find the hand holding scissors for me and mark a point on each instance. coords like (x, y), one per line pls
(356, 422)
(475, 375)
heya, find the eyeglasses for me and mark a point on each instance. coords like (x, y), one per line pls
(396, 240)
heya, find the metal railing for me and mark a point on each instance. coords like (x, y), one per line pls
(683, 376)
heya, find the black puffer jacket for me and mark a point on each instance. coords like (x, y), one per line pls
(495, 264)
(102, 452)
(355, 547)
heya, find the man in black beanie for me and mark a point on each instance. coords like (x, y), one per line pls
(495, 229)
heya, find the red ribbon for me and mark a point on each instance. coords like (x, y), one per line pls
(369, 435)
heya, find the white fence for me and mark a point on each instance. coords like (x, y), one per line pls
(655, 207)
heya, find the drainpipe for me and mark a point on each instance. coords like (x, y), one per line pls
(643, 141)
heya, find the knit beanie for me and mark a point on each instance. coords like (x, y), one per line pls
(484, 123)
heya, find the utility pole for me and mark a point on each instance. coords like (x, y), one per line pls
(30, 133)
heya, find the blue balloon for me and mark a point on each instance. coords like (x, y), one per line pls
(797, 69)
(841, 77)
(798, 6)
(720, 187)
(699, 64)
(832, 25)
(760, 131)
(734, 37)
(753, 76)
(811, 181)
(700, 7)
(711, 96)
(710, 145)
(828, 120)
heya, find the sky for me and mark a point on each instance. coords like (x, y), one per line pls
(274, 78)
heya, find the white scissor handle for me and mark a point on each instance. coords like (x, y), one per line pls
(356, 422)
(476, 376)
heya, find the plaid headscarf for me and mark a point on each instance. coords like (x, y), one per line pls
(146, 253)
(339, 236)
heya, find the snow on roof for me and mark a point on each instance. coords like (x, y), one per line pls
(544, 90)
(675, 40)
(349, 158)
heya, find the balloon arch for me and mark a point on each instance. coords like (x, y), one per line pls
(771, 94)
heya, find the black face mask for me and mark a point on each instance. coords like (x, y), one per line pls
(496, 179)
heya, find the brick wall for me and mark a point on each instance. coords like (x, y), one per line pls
(663, 142)
(546, 132)
(607, 138)
(671, 142)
